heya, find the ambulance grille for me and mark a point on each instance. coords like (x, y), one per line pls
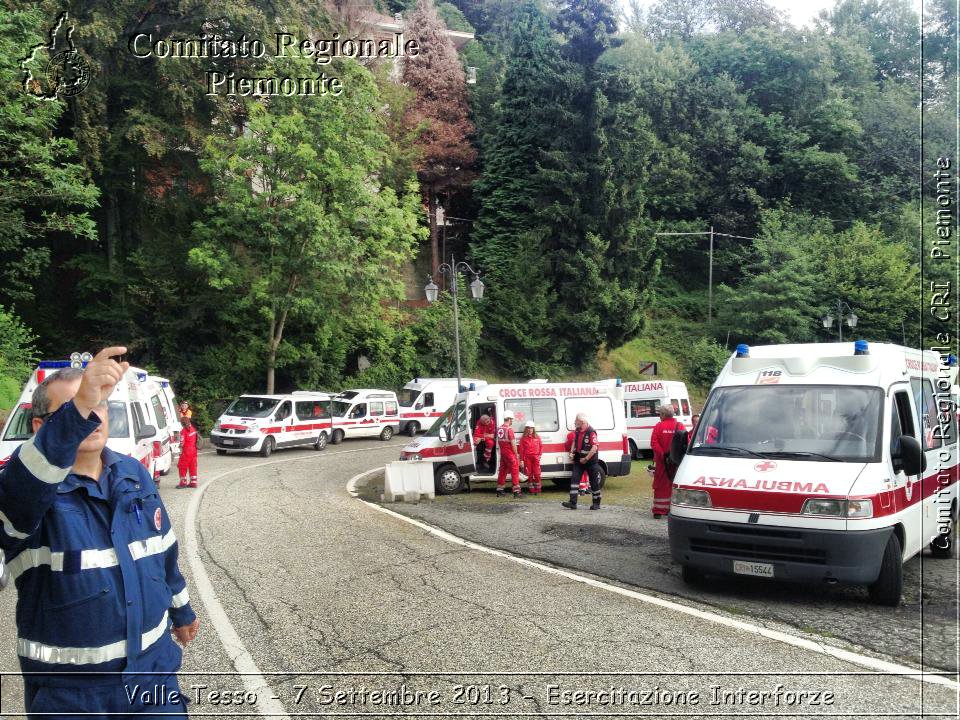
(758, 551)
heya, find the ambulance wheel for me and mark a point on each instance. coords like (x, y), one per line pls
(944, 545)
(413, 428)
(634, 450)
(692, 575)
(888, 588)
(448, 480)
(337, 437)
(221, 451)
(321, 442)
(386, 433)
(267, 448)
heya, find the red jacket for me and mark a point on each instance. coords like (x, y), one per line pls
(662, 436)
(531, 445)
(188, 440)
(505, 438)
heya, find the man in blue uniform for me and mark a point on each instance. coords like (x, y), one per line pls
(90, 547)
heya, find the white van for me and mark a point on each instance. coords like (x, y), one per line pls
(133, 429)
(553, 407)
(263, 423)
(642, 401)
(168, 401)
(423, 400)
(365, 413)
(823, 463)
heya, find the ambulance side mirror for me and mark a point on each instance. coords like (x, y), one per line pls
(147, 431)
(908, 456)
(418, 406)
(678, 446)
(443, 434)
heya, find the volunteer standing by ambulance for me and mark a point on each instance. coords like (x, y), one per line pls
(531, 450)
(663, 473)
(90, 547)
(507, 447)
(584, 453)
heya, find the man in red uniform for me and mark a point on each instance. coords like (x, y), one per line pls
(483, 434)
(663, 474)
(584, 452)
(531, 449)
(188, 454)
(569, 447)
(507, 447)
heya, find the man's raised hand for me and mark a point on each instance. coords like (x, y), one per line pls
(99, 378)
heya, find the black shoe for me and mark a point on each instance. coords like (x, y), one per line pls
(500, 494)
(569, 505)
(657, 516)
(595, 506)
(516, 493)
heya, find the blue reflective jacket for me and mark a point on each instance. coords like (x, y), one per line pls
(95, 564)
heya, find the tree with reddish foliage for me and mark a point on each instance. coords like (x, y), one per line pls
(439, 110)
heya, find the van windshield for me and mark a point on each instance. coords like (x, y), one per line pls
(119, 424)
(257, 407)
(797, 422)
(408, 397)
(340, 408)
(443, 420)
(19, 428)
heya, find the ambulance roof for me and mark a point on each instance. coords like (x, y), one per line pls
(828, 363)
(365, 392)
(421, 381)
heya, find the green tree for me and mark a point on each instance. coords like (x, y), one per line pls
(17, 356)
(44, 192)
(301, 226)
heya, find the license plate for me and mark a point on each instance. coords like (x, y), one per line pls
(750, 568)
(227, 442)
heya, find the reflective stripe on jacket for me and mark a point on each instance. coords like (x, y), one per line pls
(95, 563)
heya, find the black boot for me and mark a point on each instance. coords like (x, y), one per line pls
(572, 503)
(596, 504)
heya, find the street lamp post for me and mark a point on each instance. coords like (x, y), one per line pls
(476, 291)
(850, 318)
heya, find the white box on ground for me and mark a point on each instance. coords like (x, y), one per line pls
(408, 481)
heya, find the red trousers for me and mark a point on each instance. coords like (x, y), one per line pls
(662, 486)
(531, 463)
(508, 464)
(188, 464)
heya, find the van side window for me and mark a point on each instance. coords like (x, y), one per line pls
(159, 411)
(543, 412)
(895, 431)
(676, 406)
(391, 407)
(359, 411)
(376, 409)
(926, 404)
(904, 416)
(685, 406)
(428, 399)
(311, 409)
(643, 408)
(138, 421)
(284, 412)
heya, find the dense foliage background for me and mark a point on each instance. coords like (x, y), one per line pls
(239, 245)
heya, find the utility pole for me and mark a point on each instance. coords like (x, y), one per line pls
(710, 281)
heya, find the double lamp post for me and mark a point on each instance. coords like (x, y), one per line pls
(452, 269)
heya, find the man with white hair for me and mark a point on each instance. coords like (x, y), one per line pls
(583, 451)
(90, 547)
(663, 472)
(507, 446)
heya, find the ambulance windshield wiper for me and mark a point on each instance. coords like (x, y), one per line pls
(783, 454)
(727, 449)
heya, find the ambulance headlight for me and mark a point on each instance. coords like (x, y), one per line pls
(216, 426)
(839, 508)
(695, 498)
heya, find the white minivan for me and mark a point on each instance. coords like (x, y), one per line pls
(642, 400)
(365, 413)
(264, 423)
(423, 400)
(820, 463)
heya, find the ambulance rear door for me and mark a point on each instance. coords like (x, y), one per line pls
(460, 439)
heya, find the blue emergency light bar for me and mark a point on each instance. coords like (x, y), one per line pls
(951, 360)
(619, 382)
(142, 377)
(53, 364)
(743, 350)
(860, 347)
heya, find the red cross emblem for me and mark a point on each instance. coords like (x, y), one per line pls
(765, 466)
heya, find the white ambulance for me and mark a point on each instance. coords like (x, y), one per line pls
(553, 407)
(365, 413)
(820, 463)
(168, 403)
(642, 400)
(423, 400)
(264, 423)
(133, 424)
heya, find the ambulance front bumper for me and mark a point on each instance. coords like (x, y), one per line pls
(850, 557)
(233, 442)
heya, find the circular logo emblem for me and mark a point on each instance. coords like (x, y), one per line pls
(461, 442)
(68, 73)
(765, 466)
(157, 519)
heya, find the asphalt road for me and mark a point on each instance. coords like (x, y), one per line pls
(627, 545)
(326, 592)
